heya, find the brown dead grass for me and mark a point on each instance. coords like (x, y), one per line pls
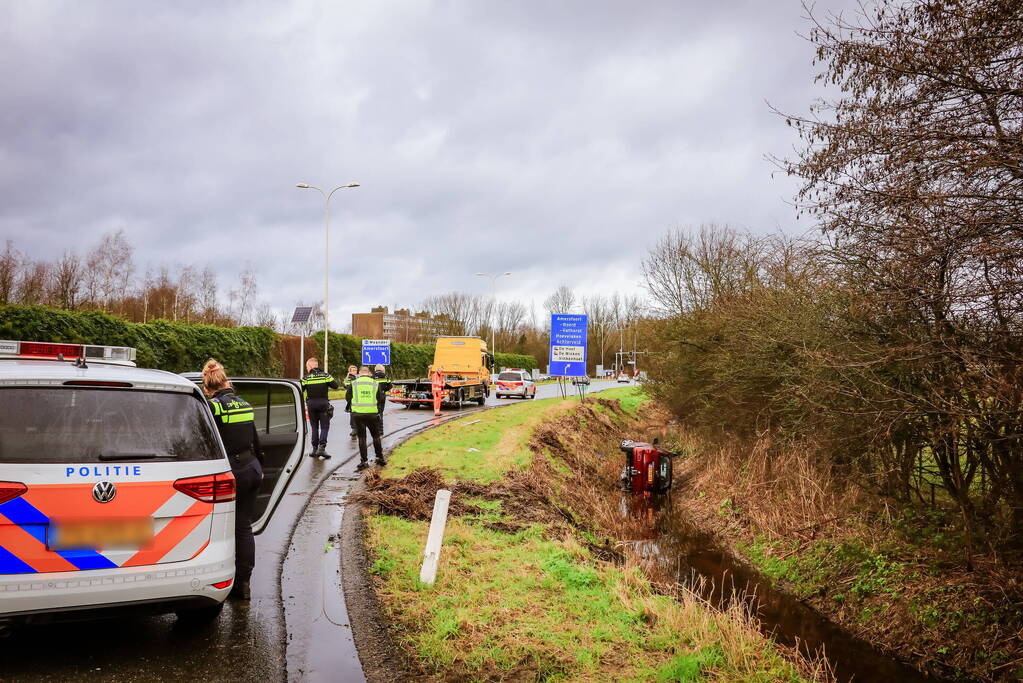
(785, 495)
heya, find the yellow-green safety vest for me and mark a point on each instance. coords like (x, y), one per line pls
(364, 395)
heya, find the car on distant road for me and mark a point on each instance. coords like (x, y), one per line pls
(623, 378)
(116, 494)
(515, 383)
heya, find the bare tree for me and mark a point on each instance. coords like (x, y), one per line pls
(688, 269)
(265, 316)
(208, 294)
(462, 313)
(67, 282)
(245, 295)
(562, 300)
(509, 317)
(10, 265)
(601, 323)
(32, 284)
(186, 293)
(110, 267)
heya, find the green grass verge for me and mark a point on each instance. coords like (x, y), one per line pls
(479, 447)
(484, 446)
(631, 398)
(522, 605)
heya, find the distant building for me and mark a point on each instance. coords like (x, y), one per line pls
(400, 326)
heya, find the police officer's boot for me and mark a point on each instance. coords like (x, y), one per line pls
(241, 591)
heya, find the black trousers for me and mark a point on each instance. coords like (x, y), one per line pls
(320, 413)
(371, 421)
(247, 479)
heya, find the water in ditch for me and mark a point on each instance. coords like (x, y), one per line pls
(697, 562)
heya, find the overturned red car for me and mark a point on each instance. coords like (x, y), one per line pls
(647, 468)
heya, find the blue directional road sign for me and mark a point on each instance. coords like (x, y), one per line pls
(376, 351)
(568, 345)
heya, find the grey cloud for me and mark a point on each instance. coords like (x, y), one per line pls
(553, 139)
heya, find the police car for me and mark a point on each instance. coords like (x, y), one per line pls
(115, 490)
(513, 382)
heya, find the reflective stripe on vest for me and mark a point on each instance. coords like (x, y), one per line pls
(233, 412)
(364, 395)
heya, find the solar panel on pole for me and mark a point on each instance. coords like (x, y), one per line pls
(301, 316)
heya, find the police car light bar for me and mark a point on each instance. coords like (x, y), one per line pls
(124, 355)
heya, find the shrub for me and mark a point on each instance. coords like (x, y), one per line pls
(175, 347)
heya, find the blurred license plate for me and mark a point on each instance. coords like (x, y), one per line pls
(122, 533)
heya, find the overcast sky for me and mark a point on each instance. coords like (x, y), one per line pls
(553, 139)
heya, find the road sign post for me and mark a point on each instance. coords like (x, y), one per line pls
(376, 351)
(568, 345)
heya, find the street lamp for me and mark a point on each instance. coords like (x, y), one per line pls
(493, 289)
(326, 258)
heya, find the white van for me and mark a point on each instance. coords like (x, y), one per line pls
(115, 490)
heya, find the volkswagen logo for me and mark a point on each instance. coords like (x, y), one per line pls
(104, 491)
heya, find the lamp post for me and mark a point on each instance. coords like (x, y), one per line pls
(493, 291)
(326, 258)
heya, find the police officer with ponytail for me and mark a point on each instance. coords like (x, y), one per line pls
(363, 397)
(236, 424)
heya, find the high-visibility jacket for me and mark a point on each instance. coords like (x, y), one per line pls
(362, 395)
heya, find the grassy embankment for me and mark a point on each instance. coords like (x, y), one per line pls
(527, 587)
(893, 575)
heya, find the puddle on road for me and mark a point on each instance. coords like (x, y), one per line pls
(697, 562)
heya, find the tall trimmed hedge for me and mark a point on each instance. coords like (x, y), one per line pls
(407, 360)
(175, 347)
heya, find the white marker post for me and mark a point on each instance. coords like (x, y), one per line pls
(431, 555)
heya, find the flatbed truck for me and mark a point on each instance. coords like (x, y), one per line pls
(465, 365)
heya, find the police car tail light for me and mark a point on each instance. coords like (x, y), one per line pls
(210, 488)
(9, 490)
(220, 585)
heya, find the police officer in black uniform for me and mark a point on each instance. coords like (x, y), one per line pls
(317, 385)
(385, 386)
(236, 424)
(353, 372)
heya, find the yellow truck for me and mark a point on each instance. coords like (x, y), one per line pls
(465, 365)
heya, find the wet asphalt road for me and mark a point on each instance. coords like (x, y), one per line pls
(296, 627)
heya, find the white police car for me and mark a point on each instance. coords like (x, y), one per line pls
(514, 382)
(115, 491)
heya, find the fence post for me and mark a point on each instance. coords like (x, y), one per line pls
(431, 555)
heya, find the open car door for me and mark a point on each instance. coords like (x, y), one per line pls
(280, 420)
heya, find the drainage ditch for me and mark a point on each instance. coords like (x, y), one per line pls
(692, 558)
